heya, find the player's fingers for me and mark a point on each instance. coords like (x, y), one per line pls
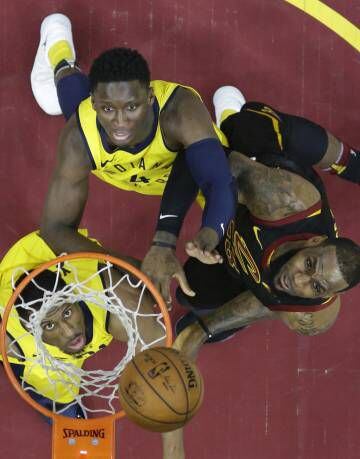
(190, 245)
(159, 287)
(214, 256)
(184, 285)
(192, 251)
(218, 258)
(207, 258)
(165, 291)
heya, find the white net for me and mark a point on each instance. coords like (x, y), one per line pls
(108, 296)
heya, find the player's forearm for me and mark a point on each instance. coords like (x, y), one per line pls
(243, 310)
(64, 239)
(210, 169)
(173, 445)
(179, 194)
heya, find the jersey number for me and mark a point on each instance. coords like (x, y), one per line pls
(136, 179)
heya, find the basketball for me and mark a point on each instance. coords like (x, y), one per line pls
(160, 390)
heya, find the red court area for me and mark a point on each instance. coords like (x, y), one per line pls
(268, 392)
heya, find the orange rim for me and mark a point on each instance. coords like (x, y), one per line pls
(43, 267)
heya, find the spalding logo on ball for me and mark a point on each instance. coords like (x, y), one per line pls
(160, 390)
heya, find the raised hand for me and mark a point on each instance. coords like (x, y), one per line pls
(161, 266)
(203, 247)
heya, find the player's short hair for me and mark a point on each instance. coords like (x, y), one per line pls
(348, 258)
(46, 280)
(119, 64)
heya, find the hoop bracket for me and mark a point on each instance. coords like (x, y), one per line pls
(86, 438)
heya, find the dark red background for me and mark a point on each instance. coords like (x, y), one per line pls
(269, 393)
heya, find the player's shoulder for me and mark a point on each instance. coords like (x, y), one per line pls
(182, 100)
(303, 188)
(295, 179)
(312, 323)
(272, 193)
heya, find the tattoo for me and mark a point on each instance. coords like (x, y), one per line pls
(270, 192)
(306, 325)
(239, 312)
(243, 310)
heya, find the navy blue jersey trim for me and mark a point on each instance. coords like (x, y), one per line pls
(165, 105)
(89, 321)
(93, 165)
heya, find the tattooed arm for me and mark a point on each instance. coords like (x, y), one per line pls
(246, 309)
(271, 193)
(243, 310)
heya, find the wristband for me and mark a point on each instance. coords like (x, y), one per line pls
(204, 327)
(168, 245)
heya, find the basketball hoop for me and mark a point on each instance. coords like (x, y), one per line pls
(93, 437)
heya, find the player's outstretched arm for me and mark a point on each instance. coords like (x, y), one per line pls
(187, 126)
(67, 195)
(160, 263)
(173, 444)
(243, 310)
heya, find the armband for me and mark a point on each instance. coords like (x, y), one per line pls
(204, 327)
(210, 169)
(179, 193)
(168, 245)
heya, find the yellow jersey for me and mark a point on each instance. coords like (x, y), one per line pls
(28, 253)
(146, 168)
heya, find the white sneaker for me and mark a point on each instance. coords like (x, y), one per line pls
(54, 28)
(227, 98)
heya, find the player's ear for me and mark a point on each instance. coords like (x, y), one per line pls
(316, 240)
